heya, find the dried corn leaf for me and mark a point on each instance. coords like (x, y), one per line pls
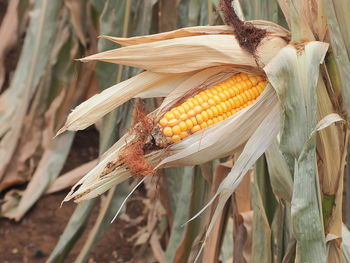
(187, 53)
(272, 29)
(15, 101)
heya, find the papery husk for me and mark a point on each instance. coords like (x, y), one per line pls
(192, 53)
(91, 110)
(271, 28)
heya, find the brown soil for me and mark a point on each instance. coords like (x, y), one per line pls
(33, 239)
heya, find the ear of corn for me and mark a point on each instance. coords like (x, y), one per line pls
(211, 106)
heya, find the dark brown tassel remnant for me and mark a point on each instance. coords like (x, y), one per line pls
(247, 34)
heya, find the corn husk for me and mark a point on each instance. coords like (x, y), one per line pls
(224, 58)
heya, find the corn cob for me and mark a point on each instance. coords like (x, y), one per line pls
(211, 106)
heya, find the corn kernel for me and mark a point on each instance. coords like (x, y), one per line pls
(198, 109)
(183, 126)
(173, 122)
(191, 113)
(205, 115)
(210, 122)
(163, 122)
(194, 121)
(175, 138)
(183, 117)
(168, 132)
(183, 134)
(181, 109)
(205, 105)
(189, 124)
(169, 116)
(203, 125)
(199, 118)
(195, 128)
(176, 129)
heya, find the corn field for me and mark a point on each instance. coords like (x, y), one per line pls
(174, 131)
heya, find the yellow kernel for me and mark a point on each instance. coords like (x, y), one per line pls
(244, 76)
(169, 116)
(224, 116)
(175, 138)
(199, 118)
(231, 92)
(220, 118)
(223, 106)
(198, 109)
(194, 121)
(176, 113)
(205, 115)
(167, 131)
(189, 124)
(163, 122)
(232, 103)
(222, 96)
(173, 122)
(236, 90)
(253, 80)
(211, 102)
(236, 101)
(219, 108)
(241, 100)
(183, 117)
(195, 101)
(186, 106)
(251, 94)
(205, 105)
(228, 105)
(204, 96)
(219, 88)
(183, 134)
(204, 125)
(240, 87)
(248, 95)
(215, 120)
(176, 129)
(181, 109)
(195, 128)
(183, 126)
(256, 92)
(215, 111)
(210, 122)
(227, 94)
(210, 113)
(244, 97)
(191, 104)
(199, 99)
(216, 99)
(191, 113)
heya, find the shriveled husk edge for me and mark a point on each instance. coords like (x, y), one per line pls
(216, 141)
(271, 28)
